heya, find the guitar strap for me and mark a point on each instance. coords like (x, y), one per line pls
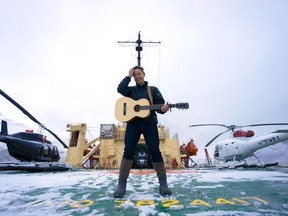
(150, 94)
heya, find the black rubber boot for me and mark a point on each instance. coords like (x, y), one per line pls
(161, 174)
(123, 175)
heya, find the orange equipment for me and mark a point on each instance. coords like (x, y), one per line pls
(191, 148)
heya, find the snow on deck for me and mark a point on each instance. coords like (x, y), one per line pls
(195, 192)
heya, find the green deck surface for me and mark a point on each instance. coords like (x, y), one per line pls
(195, 192)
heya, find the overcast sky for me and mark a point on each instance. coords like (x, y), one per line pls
(228, 59)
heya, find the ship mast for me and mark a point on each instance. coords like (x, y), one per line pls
(139, 46)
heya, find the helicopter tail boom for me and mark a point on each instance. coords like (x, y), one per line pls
(4, 129)
(269, 139)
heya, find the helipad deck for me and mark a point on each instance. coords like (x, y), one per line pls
(195, 192)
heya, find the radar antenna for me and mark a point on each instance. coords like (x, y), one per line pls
(139, 46)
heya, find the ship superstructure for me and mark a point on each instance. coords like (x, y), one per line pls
(106, 151)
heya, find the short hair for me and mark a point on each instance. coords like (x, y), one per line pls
(138, 67)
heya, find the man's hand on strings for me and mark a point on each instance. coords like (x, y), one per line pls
(165, 108)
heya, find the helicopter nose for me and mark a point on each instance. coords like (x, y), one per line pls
(216, 151)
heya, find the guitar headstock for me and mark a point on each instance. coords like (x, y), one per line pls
(179, 105)
(182, 106)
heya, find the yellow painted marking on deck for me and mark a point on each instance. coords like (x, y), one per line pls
(82, 203)
(121, 203)
(256, 198)
(241, 201)
(168, 203)
(145, 202)
(199, 202)
(224, 201)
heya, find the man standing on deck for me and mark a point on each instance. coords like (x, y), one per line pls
(146, 126)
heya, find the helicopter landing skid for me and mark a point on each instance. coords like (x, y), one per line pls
(246, 165)
(262, 165)
(35, 167)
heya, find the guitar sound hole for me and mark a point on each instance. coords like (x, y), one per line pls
(137, 108)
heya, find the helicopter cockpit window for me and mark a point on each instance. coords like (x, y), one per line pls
(45, 150)
(216, 152)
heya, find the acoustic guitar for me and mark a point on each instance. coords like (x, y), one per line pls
(126, 109)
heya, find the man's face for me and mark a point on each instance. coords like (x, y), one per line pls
(139, 76)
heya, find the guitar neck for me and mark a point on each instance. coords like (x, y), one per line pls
(156, 106)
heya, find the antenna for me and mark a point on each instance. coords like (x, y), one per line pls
(139, 46)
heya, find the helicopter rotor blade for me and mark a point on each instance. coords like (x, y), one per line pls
(30, 116)
(230, 127)
(199, 125)
(215, 138)
(51, 132)
(19, 107)
(266, 124)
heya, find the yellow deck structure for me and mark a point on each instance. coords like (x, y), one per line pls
(106, 151)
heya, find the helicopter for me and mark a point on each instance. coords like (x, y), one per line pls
(243, 144)
(28, 146)
(33, 150)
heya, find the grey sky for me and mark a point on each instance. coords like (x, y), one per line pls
(228, 59)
